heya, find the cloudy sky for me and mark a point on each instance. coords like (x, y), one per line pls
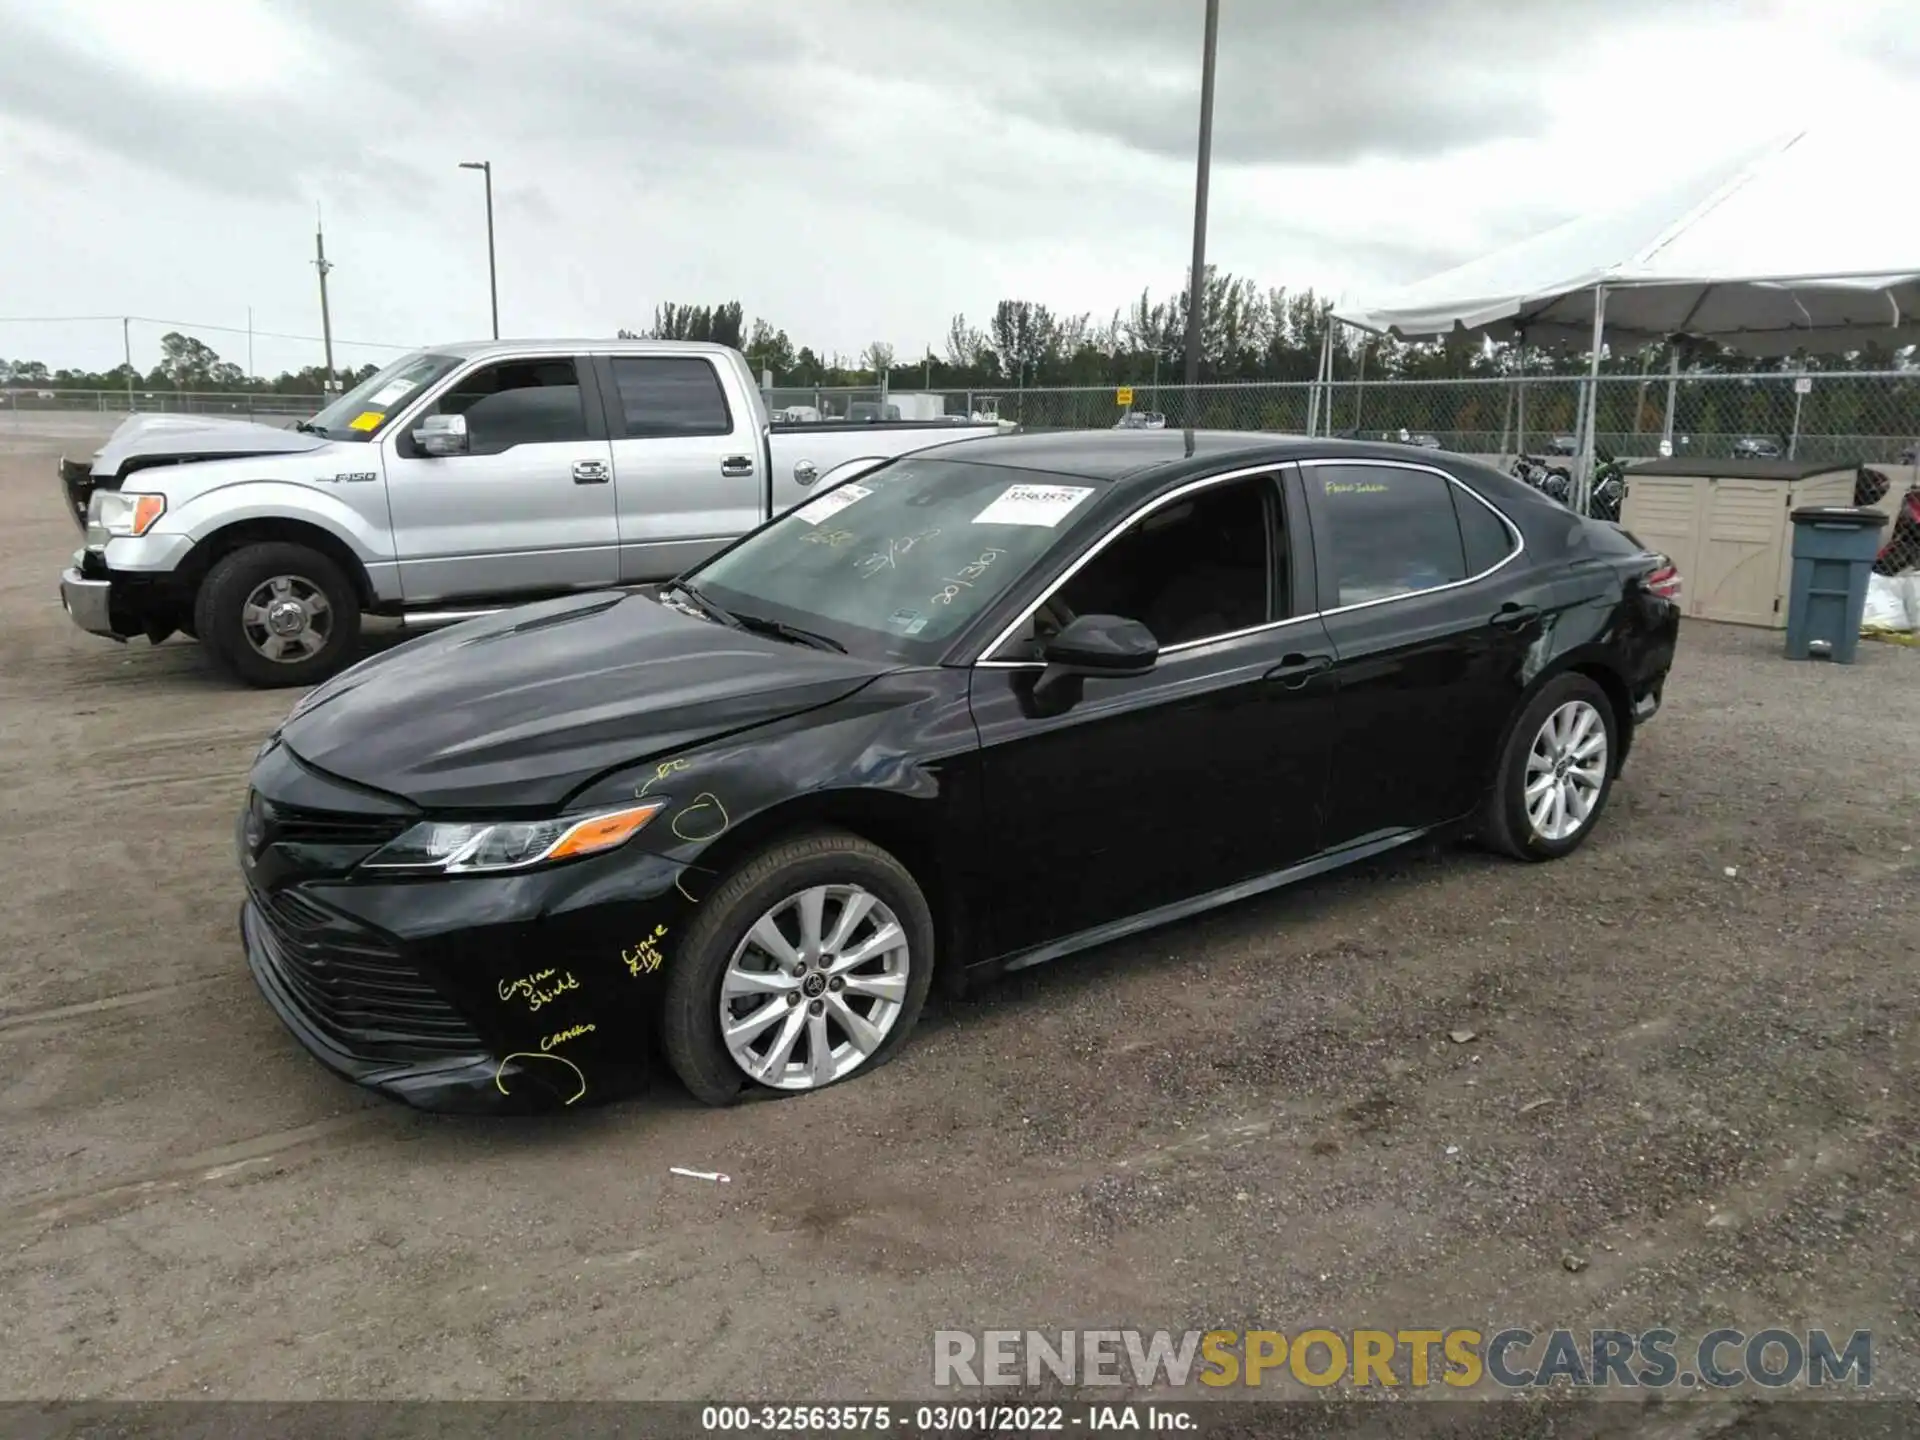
(854, 172)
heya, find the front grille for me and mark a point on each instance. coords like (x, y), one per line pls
(354, 987)
(289, 824)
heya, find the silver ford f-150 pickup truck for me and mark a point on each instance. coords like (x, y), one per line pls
(459, 479)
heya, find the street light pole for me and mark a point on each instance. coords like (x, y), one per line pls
(485, 167)
(1197, 277)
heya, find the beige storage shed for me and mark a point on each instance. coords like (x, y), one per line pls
(1724, 524)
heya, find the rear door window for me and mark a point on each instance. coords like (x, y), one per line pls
(663, 396)
(1381, 531)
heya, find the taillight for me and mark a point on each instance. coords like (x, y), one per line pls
(1664, 580)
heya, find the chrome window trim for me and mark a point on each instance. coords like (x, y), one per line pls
(1513, 530)
(1272, 467)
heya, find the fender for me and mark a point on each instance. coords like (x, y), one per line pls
(727, 800)
(214, 510)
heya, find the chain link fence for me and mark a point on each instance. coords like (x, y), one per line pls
(263, 404)
(1847, 417)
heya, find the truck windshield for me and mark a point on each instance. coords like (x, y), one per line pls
(361, 413)
(901, 559)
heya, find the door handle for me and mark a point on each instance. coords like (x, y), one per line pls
(1294, 671)
(589, 472)
(1516, 617)
(736, 465)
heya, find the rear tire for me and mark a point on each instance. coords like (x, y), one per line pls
(277, 614)
(879, 998)
(1555, 774)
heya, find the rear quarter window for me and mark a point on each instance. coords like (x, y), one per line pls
(1483, 534)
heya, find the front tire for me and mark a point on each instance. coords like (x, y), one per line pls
(1555, 773)
(806, 967)
(277, 614)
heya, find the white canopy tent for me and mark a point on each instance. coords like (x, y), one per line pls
(1802, 246)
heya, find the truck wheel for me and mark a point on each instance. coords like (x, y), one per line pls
(277, 614)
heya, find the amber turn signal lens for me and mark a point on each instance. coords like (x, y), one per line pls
(146, 510)
(603, 832)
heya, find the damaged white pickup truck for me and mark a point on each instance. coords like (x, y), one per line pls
(457, 480)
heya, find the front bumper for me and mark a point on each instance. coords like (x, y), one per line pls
(510, 993)
(120, 604)
(89, 604)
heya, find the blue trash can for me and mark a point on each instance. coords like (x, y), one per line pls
(1834, 548)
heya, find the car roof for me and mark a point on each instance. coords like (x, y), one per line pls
(1132, 454)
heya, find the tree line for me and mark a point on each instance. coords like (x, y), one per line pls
(1247, 333)
(186, 364)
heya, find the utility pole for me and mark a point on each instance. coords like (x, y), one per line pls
(326, 319)
(126, 343)
(485, 167)
(1197, 279)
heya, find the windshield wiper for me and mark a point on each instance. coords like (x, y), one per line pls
(700, 603)
(761, 625)
(308, 427)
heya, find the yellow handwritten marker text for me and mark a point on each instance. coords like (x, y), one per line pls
(646, 957)
(660, 773)
(542, 987)
(574, 1033)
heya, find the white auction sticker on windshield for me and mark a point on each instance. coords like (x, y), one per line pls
(1033, 505)
(387, 394)
(831, 503)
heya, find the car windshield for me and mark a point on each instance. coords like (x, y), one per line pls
(898, 561)
(361, 413)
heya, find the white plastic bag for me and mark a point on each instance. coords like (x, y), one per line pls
(1887, 603)
(1909, 584)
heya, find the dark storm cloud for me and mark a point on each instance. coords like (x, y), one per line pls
(1319, 82)
(664, 86)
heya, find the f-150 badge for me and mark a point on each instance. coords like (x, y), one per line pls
(349, 477)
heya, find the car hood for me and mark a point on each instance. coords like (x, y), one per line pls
(523, 708)
(197, 437)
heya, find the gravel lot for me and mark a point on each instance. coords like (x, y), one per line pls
(1689, 1099)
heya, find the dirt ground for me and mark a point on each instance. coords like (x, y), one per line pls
(1689, 1098)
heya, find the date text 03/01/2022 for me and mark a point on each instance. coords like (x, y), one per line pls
(945, 1419)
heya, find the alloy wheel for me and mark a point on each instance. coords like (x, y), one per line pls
(287, 619)
(1566, 771)
(815, 987)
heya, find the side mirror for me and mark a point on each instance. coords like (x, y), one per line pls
(442, 435)
(1103, 646)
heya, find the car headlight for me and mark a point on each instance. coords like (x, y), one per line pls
(115, 514)
(464, 847)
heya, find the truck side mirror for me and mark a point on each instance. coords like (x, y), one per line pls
(442, 435)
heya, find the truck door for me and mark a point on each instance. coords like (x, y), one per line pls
(686, 468)
(528, 507)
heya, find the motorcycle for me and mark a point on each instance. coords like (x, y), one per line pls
(1556, 482)
(1609, 485)
(1553, 481)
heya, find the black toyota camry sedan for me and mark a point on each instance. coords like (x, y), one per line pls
(970, 710)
